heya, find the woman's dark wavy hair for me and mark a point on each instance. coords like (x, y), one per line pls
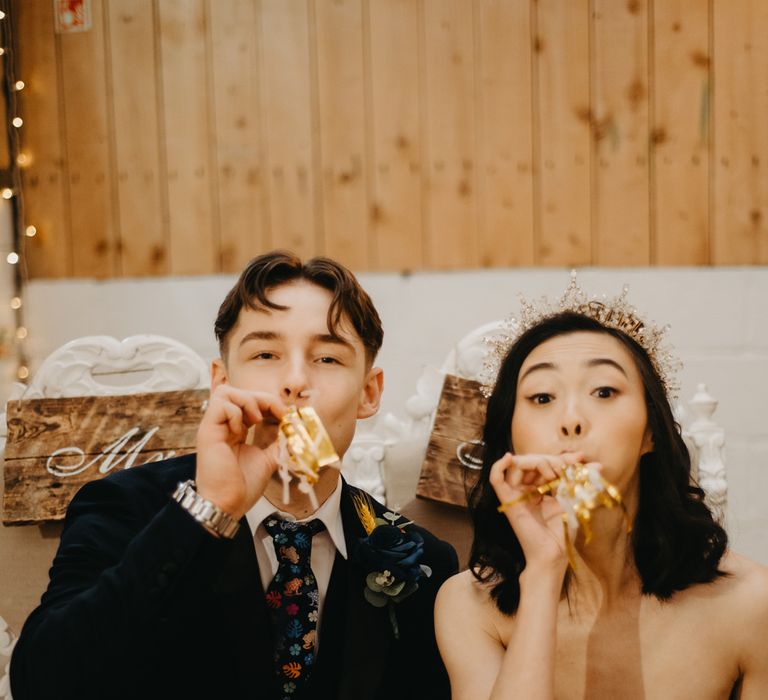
(675, 538)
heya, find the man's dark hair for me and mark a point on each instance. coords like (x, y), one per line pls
(675, 539)
(280, 267)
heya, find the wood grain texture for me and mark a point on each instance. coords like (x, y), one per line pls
(396, 207)
(621, 224)
(288, 118)
(57, 445)
(680, 133)
(563, 121)
(188, 130)
(740, 163)
(87, 132)
(143, 238)
(341, 90)
(505, 152)
(45, 183)
(239, 148)
(451, 236)
(459, 419)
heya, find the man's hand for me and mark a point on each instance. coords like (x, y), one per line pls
(230, 473)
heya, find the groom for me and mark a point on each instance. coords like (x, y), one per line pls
(193, 578)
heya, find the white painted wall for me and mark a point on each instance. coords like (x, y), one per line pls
(719, 319)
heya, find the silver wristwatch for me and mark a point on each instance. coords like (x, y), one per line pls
(209, 515)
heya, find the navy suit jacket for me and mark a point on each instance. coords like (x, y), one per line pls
(143, 603)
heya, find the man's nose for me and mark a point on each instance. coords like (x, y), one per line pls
(295, 381)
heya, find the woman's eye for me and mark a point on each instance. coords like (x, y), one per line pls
(605, 392)
(540, 399)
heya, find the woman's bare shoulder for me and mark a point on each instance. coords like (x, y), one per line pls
(750, 578)
(465, 594)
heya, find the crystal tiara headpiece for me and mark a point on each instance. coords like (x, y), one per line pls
(614, 313)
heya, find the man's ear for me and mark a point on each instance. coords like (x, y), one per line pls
(370, 397)
(218, 373)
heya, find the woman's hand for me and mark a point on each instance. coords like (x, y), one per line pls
(230, 473)
(536, 519)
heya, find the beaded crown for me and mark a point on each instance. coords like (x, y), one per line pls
(614, 313)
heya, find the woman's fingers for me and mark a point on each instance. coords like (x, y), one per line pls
(519, 478)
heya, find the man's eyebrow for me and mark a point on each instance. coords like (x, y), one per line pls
(334, 339)
(260, 335)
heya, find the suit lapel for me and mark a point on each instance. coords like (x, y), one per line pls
(355, 635)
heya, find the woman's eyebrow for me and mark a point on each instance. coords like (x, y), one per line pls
(538, 366)
(598, 361)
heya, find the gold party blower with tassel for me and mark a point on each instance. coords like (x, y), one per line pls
(579, 491)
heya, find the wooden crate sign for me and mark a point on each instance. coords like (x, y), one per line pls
(57, 445)
(451, 464)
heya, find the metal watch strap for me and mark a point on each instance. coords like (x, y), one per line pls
(209, 515)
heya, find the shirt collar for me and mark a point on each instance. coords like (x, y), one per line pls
(329, 513)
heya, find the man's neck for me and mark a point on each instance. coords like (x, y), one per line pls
(300, 505)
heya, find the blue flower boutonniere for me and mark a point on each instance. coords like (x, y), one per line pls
(392, 556)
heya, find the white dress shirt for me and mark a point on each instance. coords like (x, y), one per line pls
(325, 544)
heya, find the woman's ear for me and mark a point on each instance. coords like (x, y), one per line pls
(647, 446)
(370, 396)
(218, 373)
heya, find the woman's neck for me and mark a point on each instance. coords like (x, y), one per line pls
(605, 571)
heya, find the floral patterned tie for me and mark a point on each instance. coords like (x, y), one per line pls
(292, 598)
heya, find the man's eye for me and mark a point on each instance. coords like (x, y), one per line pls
(263, 356)
(327, 360)
(540, 399)
(605, 392)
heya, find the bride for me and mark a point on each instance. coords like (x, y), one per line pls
(664, 611)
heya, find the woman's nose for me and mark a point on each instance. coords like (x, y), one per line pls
(573, 422)
(571, 428)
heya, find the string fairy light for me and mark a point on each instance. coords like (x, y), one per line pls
(11, 188)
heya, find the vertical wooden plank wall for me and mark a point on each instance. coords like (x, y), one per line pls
(562, 116)
(505, 135)
(193, 230)
(620, 225)
(45, 179)
(740, 187)
(139, 184)
(343, 151)
(290, 114)
(450, 93)
(681, 135)
(239, 175)
(186, 136)
(87, 131)
(396, 203)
